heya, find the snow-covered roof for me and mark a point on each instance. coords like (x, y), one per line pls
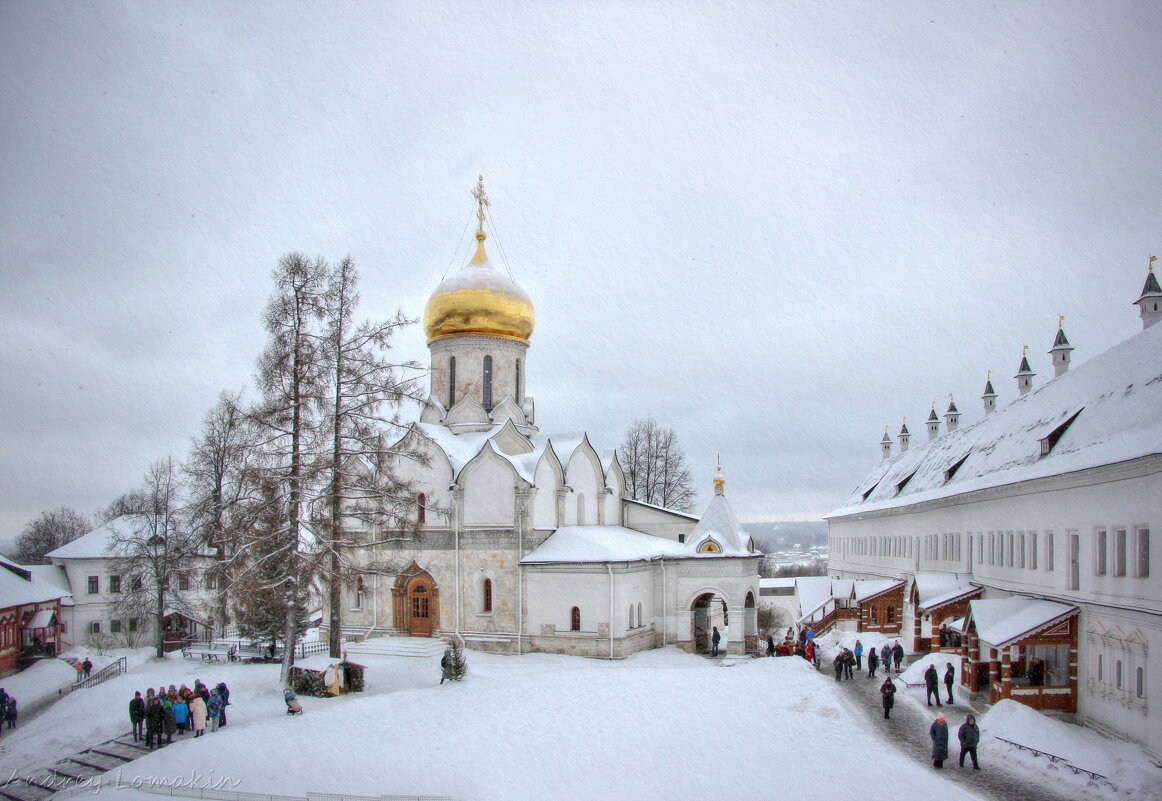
(786, 581)
(1000, 621)
(870, 588)
(1113, 399)
(661, 508)
(602, 544)
(842, 588)
(813, 592)
(934, 589)
(19, 586)
(99, 543)
(720, 524)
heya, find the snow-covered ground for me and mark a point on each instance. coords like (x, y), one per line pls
(663, 724)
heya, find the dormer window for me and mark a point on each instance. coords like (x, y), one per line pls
(1048, 442)
(710, 546)
(950, 472)
(871, 490)
(904, 483)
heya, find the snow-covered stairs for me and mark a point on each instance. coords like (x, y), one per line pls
(397, 646)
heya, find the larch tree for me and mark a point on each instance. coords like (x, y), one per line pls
(51, 529)
(655, 466)
(364, 392)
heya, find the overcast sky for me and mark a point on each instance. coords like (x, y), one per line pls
(775, 227)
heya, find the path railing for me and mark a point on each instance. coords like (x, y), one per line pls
(1097, 777)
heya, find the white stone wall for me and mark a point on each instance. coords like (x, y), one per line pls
(470, 353)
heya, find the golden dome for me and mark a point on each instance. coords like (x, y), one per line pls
(479, 301)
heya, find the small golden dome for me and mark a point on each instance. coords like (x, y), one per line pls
(479, 301)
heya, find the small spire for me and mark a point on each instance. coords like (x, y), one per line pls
(719, 480)
(481, 202)
(1060, 321)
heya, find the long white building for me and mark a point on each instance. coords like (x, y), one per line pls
(1030, 530)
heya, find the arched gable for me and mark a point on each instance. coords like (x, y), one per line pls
(488, 482)
(433, 411)
(419, 463)
(549, 479)
(584, 474)
(467, 413)
(508, 410)
(510, 441)
(615, 483)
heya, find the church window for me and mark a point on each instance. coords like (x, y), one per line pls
(451, 382)
(1119, 552)
(487, 389)
(1143, 553)
(1118, 674)
(631, 616)
(516, 397)
(1100, 661)
(487, 600)
(1033, 550)
(359, 591)
(1102, 551)
(114, 584)
(95, 627)
(575, 619)
(114, 626)
(1140, 680)
(639, 617)
(710, 546)
(421, 508)
(1021, 549)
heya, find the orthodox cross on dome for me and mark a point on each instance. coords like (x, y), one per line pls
(1150, 265)
(1060, 321)
(719, 480)
(481, 202)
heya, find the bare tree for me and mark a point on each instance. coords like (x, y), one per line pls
(222, 492)
(51, 529)
(155, 555)
(655, 466)
(365, 391)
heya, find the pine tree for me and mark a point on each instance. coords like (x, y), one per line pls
(457, 662)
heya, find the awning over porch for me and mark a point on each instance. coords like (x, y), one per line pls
(44, 619)
(1002, 622)
(870, 588)
(934, 590)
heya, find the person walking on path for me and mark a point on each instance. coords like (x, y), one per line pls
(137, 716)
(80, 671)
(938, 731)
(949, 678)
(969, 736)
(886, 657)
(88, 666)
(848, 663)
(858, 652)
(715, 639)
(873, 660)
(932, 685)
(838, 663)
(898, 655)
(888, 691)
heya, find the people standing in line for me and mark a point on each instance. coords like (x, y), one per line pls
(873, 661)
(949, 678)
(214, 709)
(969, 736)
(858, 652)
(181, 712)
(932, 685)
(898, 655)
(715, 639)
(169, 723)
(938, 731)
(886, 658)
(888, 691)
(198, 714)
(137, 716)
(154, 722)
(88, 667)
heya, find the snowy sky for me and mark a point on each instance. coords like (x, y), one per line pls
(776, 227)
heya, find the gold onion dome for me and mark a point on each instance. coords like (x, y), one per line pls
(478, 300)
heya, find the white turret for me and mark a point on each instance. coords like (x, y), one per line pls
(952, 416)
(990, 395)
(1151, 301)
(886, 444)
(933, 423)
(1060, 350)
(1025, 373)
(904, 436)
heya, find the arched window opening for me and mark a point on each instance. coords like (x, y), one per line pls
(575, 619)
(451, 382)
(1118, 674)
(421, 508)
(487, 389)
(1100, 675)
(630, 616)
(487, 600)
(710, 546)
(640, 624)
(1141, 682)
(359, 591)
(516, 397)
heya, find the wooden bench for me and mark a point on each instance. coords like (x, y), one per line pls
(207, 655)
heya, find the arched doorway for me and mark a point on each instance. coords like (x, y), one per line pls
(416, 602)
(707, 612)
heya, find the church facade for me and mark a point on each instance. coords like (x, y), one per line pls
(523, 541)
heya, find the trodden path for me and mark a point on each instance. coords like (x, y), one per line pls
(907, 731)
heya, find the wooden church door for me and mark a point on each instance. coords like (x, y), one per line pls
(421, 607)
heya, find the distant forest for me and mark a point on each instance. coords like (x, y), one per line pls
(784, 536)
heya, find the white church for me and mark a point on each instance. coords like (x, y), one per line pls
(524, 541)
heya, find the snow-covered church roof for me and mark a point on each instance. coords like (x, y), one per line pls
(602, 544)
(1101, 412)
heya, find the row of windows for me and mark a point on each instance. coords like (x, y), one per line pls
(115, 626)
(1113, 553)
(486, 385)
(114, 583)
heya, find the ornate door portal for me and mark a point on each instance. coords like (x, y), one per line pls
(416, 602)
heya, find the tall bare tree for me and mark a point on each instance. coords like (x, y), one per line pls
(51, 529)
(222, 492)
(365, 391)
(156, 555)
(655, 466)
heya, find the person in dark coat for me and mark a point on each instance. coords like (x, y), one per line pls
(154, 722)
(938, 731)
(932, 685)
(10, 712)
(888, 691)
(715, 639)
(224, 694)
(886, 658)
(873, 661)
(770, 645)
(848, 663)
(838, 663)
(969, 736)
(87, 666)
(169, 722)
(898, 655)
(949, 678)
(137, 716)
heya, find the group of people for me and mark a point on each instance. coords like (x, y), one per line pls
(84, 669)
(163, 713)
(932, 683)
(949, 637)
(7, 710)
(849, 660)
(968, 734)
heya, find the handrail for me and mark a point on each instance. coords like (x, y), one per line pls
(110, 671)
(1097, 777)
